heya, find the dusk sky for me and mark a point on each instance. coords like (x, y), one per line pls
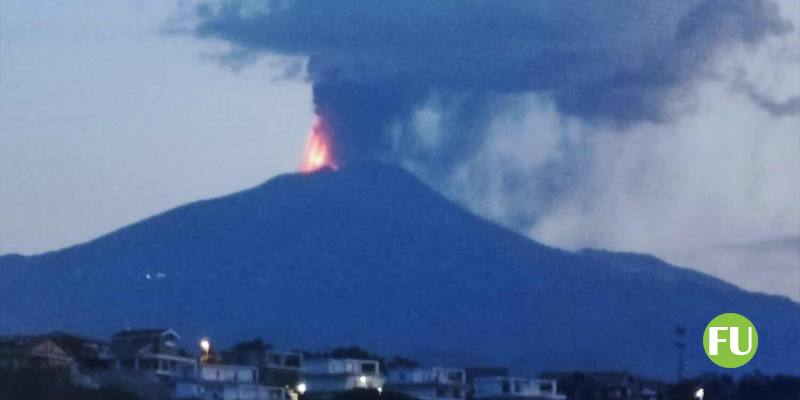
(106, 119)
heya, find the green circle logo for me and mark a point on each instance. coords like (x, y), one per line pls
(730, 340)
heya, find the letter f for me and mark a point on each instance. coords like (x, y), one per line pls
(714, 340)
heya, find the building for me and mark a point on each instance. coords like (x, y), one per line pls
(89, 354)
(613, 385)
(90, 357)
(331, 375)
(32, 352)
(428, 383)
(151, 350)
(281, 368)
(235, 382)
(484, 372)
(149, 363)
(275, 368)
(81, 348)
(515, 388)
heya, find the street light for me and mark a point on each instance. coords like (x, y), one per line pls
(699, 394)
(205, 345)
(301, 387)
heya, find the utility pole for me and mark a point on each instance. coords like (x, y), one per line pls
(680, 345)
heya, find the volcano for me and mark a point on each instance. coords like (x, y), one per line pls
(369, 255)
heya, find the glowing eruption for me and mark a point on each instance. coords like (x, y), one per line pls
(318, 149)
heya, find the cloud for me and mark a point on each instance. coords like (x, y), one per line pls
(667, 127)
(725, 173)
(373, 64)
(764, 265)
(778, 108)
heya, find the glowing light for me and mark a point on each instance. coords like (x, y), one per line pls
(362, 380)
(380, 389)
(699, 394)
(318, 149)
(205, 345)
(301, 388)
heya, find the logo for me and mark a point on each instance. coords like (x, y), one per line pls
(730, 340)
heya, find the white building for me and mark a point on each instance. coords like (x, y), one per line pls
(276, 368)
(149, 363)
(514, 388)
(428, 383)
(329, 375)
(153, 351)
(235, 382)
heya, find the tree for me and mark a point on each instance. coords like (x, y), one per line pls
(255, 344)
(399, 361)
(354, 352)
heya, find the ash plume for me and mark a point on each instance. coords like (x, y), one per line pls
(664, 127)
(374, 63)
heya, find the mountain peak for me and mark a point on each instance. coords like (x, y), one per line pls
(369, 255)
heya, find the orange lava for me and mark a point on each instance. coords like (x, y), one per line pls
(318, 149)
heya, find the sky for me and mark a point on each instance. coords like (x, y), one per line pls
(105, 119)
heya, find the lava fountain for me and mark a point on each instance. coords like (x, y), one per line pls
(318, 153)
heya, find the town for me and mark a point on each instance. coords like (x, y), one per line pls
(153, 364)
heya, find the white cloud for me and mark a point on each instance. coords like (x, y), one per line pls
(697, 191)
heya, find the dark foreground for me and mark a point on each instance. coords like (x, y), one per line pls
(56, 385)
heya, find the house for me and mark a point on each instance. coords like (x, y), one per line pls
(328, 375)
(281, 368)
(149, 363)
(275, 368)
(151, 350)
(235, 382)
(484, 372)
(612, 385)
(514, 388)
(90, 356)
(428, 383)
(32, 352)
(79, 347)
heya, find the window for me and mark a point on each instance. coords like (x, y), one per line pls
(455, 376)
(148, 365)
(369, 368)
(293, 361)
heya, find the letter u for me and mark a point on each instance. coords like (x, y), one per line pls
(734, 342)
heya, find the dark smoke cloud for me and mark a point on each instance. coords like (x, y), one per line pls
(777, 108)
(374, 62)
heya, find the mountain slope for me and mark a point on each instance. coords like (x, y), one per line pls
(368, 255)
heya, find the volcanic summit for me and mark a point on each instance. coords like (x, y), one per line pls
(369, 255)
